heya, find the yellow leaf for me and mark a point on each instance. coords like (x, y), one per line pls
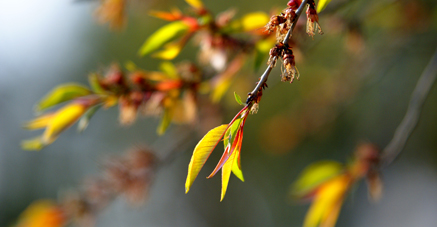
(254, 21)
(61, 94)
(226, 173)
(171, 50)
(32, 144)
(322, 4)
(40, 122)
(42, 213)
(62, 120)
(220, 89)
(198, 4)
(314, 175)
(162, 36)
(201, 153)
(327, 203)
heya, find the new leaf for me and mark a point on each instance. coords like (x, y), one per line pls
(201, 153)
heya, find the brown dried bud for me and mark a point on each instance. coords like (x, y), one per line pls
(289, 14)
(290, 71)
(275, 20)
(313, 25)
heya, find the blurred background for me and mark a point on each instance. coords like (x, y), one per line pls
(355, 85)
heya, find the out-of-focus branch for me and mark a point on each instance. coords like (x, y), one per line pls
(406, 127)
(265, 75)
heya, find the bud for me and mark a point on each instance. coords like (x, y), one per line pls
(313, 25)
(294, 4)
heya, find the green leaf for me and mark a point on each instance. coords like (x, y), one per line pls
(262, 49)
(165, 121)
(322, 4)
(231, 132)
(93, 80)
(61, 94)
(85, 119)
(169, 69)
(163, 36)
(130, 66)
(314, 175)
(238, 99)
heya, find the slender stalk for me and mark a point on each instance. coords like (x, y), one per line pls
(407, 125)
(266, 73)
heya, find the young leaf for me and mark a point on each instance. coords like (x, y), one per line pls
(61, 94)
(326, 206)
(84, 121)
(255, 20)
(238, 99)
(314, 175)
(93, 80)
(201, 153)
(236, 167)
(262, 49)
(226, 173)
(220, 89)
(162, 36)
(198, 4)
(169, 69)
(322, 4)
(170, 51)
(165, 121)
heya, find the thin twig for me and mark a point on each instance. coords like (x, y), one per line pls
(266, 73)
(406, 127)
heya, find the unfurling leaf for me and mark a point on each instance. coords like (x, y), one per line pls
(162, 36)
(322, 4)
(238, 99)
(314, 175)
(201, 153)
(61, 94)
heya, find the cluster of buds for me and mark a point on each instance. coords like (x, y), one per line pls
(172, 91)
(313, 25)
(282, 22)
(129, 175)
(289, 72)
(149, 93)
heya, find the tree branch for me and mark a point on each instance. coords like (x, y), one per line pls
(266, 73)
(407, 125)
